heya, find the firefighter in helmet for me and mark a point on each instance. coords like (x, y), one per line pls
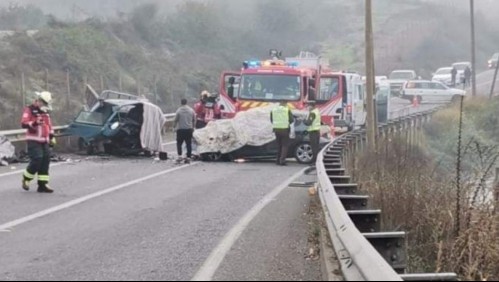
(40, 138)
(207, 109)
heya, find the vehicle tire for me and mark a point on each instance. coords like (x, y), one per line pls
(211, 157)
(85, 147)
(303, 153)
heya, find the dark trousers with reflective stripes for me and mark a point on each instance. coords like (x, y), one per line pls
(184, 135)
(315, 137)
(282, 138)
(39, 154)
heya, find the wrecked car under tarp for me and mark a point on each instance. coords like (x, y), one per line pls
(249, 135)
(119, 124)
(252, 128)
(7, 151)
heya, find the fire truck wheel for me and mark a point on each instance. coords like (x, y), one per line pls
(303, 153)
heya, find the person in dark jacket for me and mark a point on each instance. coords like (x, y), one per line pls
(184, 122)
(313, 122)
(453, 73)
(467, 76)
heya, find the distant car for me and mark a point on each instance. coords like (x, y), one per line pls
(432, 91)
(377, 78)
(397, 78)
(299, 149)
(443, 75)
(492, 63)
(460, 67)
(115, 123)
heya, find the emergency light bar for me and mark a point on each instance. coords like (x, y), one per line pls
(268, 63)
(252, 64)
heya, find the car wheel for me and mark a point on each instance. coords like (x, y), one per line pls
(85, 147)
(211, 157)
(303, 153)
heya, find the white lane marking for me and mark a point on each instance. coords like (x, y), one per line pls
(22, 170)
(212, 263)
(17, 222)
(61, 163)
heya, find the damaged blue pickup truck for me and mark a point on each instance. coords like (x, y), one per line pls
(119, 124)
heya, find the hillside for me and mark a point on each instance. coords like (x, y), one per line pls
(178, 53)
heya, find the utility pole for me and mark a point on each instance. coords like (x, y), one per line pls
(494, 81)
(68, 83)
(473, 52)
(46, 80)
(370, 123)
(23, 90)
(121, 83)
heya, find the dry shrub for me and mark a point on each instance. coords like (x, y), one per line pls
(418, 197)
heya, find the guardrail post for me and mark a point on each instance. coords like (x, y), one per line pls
(419, 128)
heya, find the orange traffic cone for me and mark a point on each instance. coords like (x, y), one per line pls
(415, 101)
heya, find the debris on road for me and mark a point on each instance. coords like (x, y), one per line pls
(7, 151)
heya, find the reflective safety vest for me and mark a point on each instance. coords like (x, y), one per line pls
(316, 123)
(280, 117)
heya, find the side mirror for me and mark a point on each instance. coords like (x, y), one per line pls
(222, 107)
(311, 94)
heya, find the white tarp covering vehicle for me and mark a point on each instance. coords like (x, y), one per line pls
(251, 128)
(249, 135)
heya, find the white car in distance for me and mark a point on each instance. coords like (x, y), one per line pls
(430, 91)
(443, 75)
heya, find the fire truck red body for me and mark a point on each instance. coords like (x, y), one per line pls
(295, 80)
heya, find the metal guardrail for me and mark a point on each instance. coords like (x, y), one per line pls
(18, 135)
(364, 252)
(358, 258)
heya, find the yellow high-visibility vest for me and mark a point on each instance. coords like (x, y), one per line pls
(280, 117)
(316, 123)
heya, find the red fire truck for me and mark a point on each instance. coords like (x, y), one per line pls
(339, 95)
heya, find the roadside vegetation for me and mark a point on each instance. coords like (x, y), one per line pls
(416, 189)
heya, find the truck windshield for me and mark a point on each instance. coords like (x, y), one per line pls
(93, 118)
(444, 71)
(401, 75)
(329, 89)
(270, 87)
(460, 67)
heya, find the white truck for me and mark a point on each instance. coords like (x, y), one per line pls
(397, 78)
